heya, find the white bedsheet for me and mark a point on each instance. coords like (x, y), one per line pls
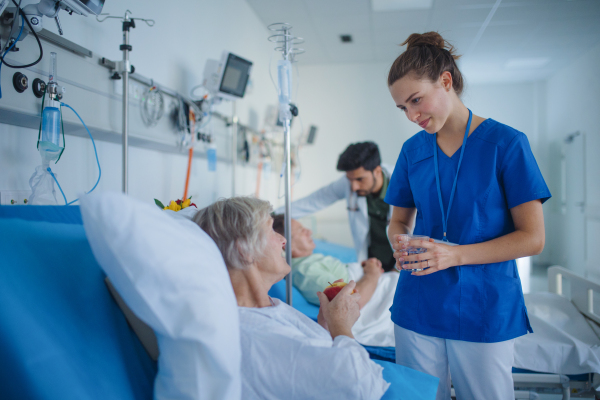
(563, 341)
(374, 326)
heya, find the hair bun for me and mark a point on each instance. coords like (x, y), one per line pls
(429, 39)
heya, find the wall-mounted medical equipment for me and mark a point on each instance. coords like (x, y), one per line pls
(29, 19)
(34, 13)
(49, 143)
(310, 136)
(152, 106)
(287, 45)
(227, 78)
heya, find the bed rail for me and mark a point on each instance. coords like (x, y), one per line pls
(581, 293)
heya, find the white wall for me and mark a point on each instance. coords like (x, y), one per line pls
(173, 52)
(573, 103)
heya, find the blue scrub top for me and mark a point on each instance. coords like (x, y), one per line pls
(475, 303)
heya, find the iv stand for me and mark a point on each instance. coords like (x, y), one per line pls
(124, 68)
(287, 42)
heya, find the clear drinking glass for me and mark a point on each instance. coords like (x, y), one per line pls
(411, 250)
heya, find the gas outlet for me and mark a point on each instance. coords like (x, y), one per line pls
(14, 197)
(38, 87)
(20, 82)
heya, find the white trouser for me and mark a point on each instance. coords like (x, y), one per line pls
(479, 370)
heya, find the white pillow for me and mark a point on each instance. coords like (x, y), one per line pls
(173, 277)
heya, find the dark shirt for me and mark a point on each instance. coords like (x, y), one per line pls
(378, 210)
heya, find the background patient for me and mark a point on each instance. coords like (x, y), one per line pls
(313, 271)
(284, 353)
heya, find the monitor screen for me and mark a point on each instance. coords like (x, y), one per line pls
(235, 76)
(95, 6)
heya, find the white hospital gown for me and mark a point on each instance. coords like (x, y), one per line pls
(286, 355)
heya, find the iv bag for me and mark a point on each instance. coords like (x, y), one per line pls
(42, 187)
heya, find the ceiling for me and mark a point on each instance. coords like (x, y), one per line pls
(498, 39)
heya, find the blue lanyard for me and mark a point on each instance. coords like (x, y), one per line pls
(437, 175)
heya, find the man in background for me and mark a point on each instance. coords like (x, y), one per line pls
(364, 187)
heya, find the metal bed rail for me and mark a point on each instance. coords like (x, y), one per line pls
(581, 291)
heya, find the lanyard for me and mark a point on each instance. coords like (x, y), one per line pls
(437, 175)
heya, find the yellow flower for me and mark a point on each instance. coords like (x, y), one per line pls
(174, 206)
(186, 203)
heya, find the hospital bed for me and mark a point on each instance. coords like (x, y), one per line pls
(64, 336)
(569, 298)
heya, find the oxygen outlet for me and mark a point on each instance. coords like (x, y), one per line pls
(20, 82)
(38, 87)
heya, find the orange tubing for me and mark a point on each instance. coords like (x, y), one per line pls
(192, 117)
(258, 174)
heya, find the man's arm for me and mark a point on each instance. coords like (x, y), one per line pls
(319, 199)
(368, 283)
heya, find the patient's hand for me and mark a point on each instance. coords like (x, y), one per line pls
(372, 266)
(340, 314)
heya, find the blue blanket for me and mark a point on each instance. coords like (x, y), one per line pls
(61, 334)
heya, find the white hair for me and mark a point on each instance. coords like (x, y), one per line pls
(237, 227)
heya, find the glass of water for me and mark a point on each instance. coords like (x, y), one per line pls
(412, 250)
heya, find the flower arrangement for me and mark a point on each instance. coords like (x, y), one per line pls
(176, 205)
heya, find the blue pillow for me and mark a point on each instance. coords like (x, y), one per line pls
(406, 383)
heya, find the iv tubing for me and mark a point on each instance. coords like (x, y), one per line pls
(95, 151)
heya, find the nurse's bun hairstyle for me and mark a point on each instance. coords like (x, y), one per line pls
(237, 227)
(427, 55)
(364, 154)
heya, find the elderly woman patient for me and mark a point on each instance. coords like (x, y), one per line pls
(286, 355)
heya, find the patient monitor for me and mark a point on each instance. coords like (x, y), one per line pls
(227, 78)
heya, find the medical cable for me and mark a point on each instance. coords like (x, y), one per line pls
(97, 160)
(10, 48)
(36, 38)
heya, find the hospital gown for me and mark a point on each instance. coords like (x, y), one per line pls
(286, 355)
(375, 326)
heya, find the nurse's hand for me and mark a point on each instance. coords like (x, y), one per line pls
(438, 256)
(340, 314)
(399, 245)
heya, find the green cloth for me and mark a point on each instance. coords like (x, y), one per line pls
(378, 210)
(312, 274)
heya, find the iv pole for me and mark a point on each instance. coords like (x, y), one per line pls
(124, 68)
(284, 72)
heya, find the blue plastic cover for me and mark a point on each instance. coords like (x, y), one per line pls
(62, 214)
(406, 383)
(61, 334)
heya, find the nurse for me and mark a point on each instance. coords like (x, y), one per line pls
(470, 181)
